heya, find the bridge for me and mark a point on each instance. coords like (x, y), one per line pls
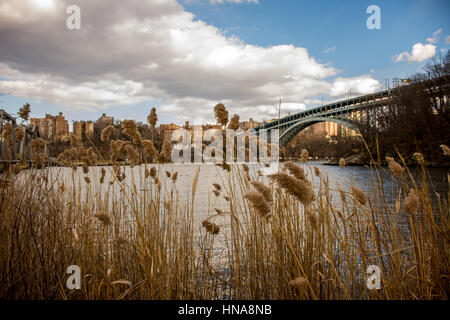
(351, 113)
(20, 150)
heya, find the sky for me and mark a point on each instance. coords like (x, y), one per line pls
(183, 57)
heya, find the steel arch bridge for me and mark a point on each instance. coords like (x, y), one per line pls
(344, 112)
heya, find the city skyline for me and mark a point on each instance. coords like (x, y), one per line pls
(183, 57)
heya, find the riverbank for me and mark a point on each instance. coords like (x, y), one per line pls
(363, 159)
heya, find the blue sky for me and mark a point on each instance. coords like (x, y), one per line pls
(340, 53)
(323, 24)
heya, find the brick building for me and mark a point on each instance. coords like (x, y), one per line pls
(167, 129)
(105, 120)
(81, 129)
(52, 127)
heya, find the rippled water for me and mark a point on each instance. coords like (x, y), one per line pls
(205, 200)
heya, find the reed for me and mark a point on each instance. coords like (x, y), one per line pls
(284, 239)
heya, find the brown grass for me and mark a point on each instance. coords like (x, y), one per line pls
(142, 244)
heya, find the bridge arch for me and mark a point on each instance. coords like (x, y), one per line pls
(294, 129)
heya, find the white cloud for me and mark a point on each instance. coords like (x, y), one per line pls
(358, 85)
(435, 38)
(420, 52)
(146, 50)
(333, 48)
(447, 40)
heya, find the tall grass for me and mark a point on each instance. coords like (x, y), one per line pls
(134, 243)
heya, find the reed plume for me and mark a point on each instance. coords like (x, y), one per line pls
(166, 151)
(19, 133)
(129, 128)
(106, 133)
(210, 227)
(411, 202)
(359, 195)
(259, 203)
(445, 149)
(152, 118)
(149, 149)
(24, 112)
(295, 170)
(38, 144)
(7, 130)
(234, 123)
(73, 140)
(224, 166)
(117, 147)
(295, 187)
(221, 114)
(216, 193)
(102, 178)
(419, 158)
(304, 156)
(153, 172)
(298, 283)
(264, 190)
(103, 218)
(317, 172)
(342, 163)
(133, 155)
(395, 167)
